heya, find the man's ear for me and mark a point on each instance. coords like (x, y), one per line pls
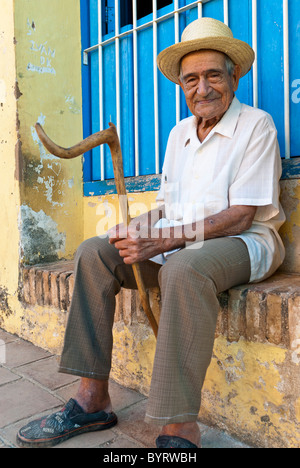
(236, 77)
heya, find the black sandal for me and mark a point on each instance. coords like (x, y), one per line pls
(61, 426)
(166, 441)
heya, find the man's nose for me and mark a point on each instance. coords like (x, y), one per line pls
(203, 88)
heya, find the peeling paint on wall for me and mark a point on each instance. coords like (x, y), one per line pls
(73, 106)
(48, 61)
(40, 239)
(43, 153)
(50, 184)
(290, 231)
(5, 310)
(71, 183)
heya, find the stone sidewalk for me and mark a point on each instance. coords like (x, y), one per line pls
(30, 387)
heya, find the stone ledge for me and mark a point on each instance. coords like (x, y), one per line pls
(49, 285)
(267, 312)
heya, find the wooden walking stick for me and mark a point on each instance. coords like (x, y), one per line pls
(109, 136)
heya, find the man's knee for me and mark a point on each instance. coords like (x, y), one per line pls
(91, 248)
(87, 246)
(97, 252)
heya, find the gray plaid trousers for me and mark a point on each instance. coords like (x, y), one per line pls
(190, 281)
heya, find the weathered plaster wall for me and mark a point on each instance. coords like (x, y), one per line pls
(290, 231)
(41, 196)
(9, 184)
(48, 61)
(252, 390)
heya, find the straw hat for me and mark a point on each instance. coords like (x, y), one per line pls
(205, 33)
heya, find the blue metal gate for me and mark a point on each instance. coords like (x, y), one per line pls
(121, 82)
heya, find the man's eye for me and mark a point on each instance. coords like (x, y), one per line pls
(190, 82)
(214, 76)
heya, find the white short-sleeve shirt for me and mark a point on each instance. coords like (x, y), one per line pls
(238, 163)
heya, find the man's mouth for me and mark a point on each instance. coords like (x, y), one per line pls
(205, 101)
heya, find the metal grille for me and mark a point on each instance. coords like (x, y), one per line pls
(153, 23)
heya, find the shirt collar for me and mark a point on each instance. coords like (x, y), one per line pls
(225, 127)
(228, 123)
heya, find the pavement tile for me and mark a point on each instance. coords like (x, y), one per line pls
(132, 424)
(68, 391)
(90, 440)
(45, 372)
(7, 376)
(21, 352)
(218, 439)
(121, 442)
(123, 397)
(8, 437)
(2, 352)
(22, 399)
(7, 337)
(31, 387)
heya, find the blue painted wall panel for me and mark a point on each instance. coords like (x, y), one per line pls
(95, 120)
(86, 88)
(294, 20)
(94, 69)
(270, 65)
(127, 105)
(109, 15)
(146, 102)
(214, 9)
(241, 26)
(166, 90)
(191, 15)
(109, 100)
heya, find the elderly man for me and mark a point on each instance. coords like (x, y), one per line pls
(216, 227)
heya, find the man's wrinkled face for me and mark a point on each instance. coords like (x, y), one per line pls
(207, 84)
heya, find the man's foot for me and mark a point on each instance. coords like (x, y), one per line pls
(173, 435)
(93, 396)
(62, 425)
(167, 441)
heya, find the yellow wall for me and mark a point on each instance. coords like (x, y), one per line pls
(102, 213)
(290, 231)
(251, 389)
(48, 57)
(41, 196)
(9, 184)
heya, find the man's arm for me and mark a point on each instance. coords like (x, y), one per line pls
(137, 246)
(145, 220)
(230, 222)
